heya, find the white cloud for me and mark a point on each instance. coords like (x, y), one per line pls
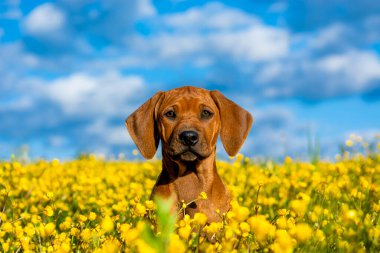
(113, 135)
(15, 62)
(202, 35)
(176, 46)
(273, 129)
(273, 116)
(229, 32)
(83, 94)
(357, 68)
(20, 104)
(352, 72)
(145, 8)
(118, 135)
(269, 72)
(255, 43)
(212, 16)
(258, 43)
(44, 19)
(329, 35)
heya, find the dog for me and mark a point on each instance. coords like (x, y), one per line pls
(188, 121)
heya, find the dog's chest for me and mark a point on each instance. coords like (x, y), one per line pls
(188, 187)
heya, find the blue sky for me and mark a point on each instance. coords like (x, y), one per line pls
(72, 71)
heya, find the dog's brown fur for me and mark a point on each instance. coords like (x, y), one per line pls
(186, 173)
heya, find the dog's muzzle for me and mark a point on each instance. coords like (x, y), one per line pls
(186, 147)
(189, 138)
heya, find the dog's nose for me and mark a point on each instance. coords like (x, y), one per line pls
(188, 138)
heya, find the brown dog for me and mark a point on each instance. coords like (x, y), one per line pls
(188, 121)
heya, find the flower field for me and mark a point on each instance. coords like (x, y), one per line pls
(93, 205)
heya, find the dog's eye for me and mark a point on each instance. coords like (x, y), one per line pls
(206, 114)
(170, 114)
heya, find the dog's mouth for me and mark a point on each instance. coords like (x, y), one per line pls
(188, 155)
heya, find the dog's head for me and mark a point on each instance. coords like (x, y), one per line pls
(188, 121)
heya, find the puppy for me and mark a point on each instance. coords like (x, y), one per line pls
(188, 121)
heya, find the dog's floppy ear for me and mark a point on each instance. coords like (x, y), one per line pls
(142, 127)
(235, 123)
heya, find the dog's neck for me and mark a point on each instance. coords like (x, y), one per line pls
(204, 170)
(178, 169)
(185, 181)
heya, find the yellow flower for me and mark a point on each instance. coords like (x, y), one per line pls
(74, 231)
(92, 216)
(283, 242)
(244, 228)
(41, 230)
(185, 221)
(241, 213)
(150, 205)
(70, 206)
(299, 207)
(7, 227)
(200, 219)
(36, 219)
(50, 228)
(48, 211)
(25, 216)
(111, 246)
(350, 215)
(213, 227)
(374, 234)
(86, 235)
(291, 222)
(239, 157)
(320, 235)
(30, 231)
(228, 233)
(282, 222)
(349, 143)
(176, 245)
(82, 218)
(143, 247)
(65, 225)
(50, 195)
(282, 212)
(302, 232)
(107, 224)
(261, 227)
(202, 195)
(131, 236)
(184, 232)
(376, 207)
(288, 160)
(5, 246)
(344, 245)
(65, 248)
(140, 210)
(25, 243)
(3, 217)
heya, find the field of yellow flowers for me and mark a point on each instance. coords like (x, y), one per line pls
(93, 205)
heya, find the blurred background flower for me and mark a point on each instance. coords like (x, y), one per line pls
(71, 71)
